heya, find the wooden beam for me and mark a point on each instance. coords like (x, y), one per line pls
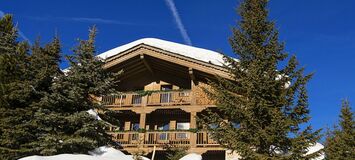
(171, 65)
(134, 66)
(127, 66)
(157, 64)
(129, 62)
(133, 69)
(191, 73)
(163, 71)
(127, 75)
(146, 64)
(173, 79)
(169, 70)
(192, 76)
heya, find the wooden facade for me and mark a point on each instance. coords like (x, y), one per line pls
(162, 92)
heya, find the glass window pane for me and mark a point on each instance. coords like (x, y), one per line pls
(182, 125)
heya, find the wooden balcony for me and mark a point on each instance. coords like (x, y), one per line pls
(162, 138)
(163, 98)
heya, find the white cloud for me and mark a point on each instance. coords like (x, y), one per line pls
(99, 20)
(178, 21)
(81, 19)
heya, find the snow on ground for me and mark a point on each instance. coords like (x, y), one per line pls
(192, 156)
(108, 153)
(181, 49)
(102, 153)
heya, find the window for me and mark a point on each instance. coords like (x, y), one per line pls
(135, 126)
(163, 127)
(184, 94)
(166, 97)
(182, 126)
(136, 99)
(166, 87)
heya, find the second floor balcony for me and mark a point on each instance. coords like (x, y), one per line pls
(156, 98)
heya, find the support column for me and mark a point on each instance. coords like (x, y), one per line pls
(193, 137)
(142, 119)
(193, 120)
(193, 85)
(127, 127)
(172, 125)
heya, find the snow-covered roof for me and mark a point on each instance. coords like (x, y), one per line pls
(201, 54)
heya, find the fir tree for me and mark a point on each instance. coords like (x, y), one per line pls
(44, 66)
(25, 78)
(260, 111)
(340, 143)
(62, 117)
(14, 92)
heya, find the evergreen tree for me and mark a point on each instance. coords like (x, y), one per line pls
(8, 56)
(260, 111)
(44, 66)
(340, 143)
(14, 93)
(25, 78)
(62, 117)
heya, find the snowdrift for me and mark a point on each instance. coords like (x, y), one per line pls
(102, 153)
(192, 156)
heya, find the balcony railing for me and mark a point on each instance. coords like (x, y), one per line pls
(179, 97)
(159, 139)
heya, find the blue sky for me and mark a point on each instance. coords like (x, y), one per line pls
(321, 33)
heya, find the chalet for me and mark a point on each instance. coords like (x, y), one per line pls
(162, 94)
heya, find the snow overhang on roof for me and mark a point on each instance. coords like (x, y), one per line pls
(196, 53)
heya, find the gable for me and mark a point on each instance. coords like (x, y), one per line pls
(143, 64)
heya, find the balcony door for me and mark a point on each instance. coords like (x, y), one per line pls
(166, 97)
(163, 127)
